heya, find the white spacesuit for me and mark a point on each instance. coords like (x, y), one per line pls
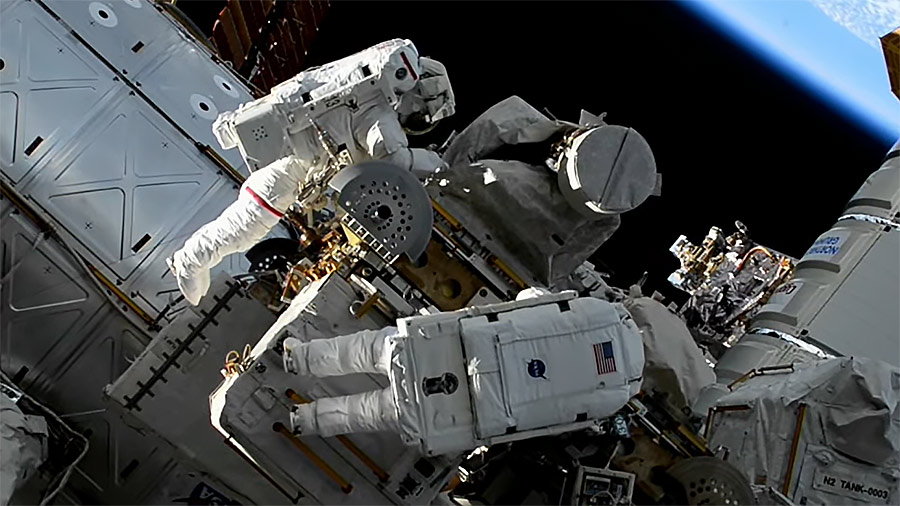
(359, 105)
(543, 364)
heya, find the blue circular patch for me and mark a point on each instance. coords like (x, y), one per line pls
(537, 369)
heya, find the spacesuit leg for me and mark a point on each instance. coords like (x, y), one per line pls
(331, 416)
(367, 351)
(238, 228)
(264, 196)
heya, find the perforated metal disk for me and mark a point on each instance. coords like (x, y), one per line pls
(708, 480)
(389, 203)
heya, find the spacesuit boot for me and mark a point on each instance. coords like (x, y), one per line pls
(193, 282)
(303, 420)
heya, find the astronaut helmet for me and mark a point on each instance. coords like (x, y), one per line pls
(430, 101)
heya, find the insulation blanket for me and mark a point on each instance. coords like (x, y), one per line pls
(849, 442)
(514, 207)
(674, 363)
(24, 447)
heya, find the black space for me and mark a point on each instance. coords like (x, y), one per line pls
(733, 139)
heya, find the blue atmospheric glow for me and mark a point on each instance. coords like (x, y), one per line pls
(819, 54)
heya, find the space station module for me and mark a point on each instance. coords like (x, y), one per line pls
(540, 365)
(308, 128)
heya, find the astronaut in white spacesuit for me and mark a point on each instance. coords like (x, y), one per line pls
(363, 104)
(544, 364)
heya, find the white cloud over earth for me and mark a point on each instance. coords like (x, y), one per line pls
(867, 19)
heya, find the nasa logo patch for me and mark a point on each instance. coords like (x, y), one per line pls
(537, 369)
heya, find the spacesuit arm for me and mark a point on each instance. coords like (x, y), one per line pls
(380, 133)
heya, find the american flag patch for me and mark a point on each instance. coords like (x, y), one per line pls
(606, 361)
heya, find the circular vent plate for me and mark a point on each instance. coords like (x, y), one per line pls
(708, 480)
(389, 203)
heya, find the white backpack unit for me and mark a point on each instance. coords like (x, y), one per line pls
(524, 369)
(289, 119)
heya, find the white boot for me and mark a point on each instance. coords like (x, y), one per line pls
(192, 281)
(303, 420)
(295, 357)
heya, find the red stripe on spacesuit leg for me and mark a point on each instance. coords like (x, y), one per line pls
(265, 205)
(408, 66)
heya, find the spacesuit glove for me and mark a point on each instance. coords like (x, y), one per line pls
(192, 281)
(426, 163)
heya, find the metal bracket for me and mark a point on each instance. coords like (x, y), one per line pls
(184, 345)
